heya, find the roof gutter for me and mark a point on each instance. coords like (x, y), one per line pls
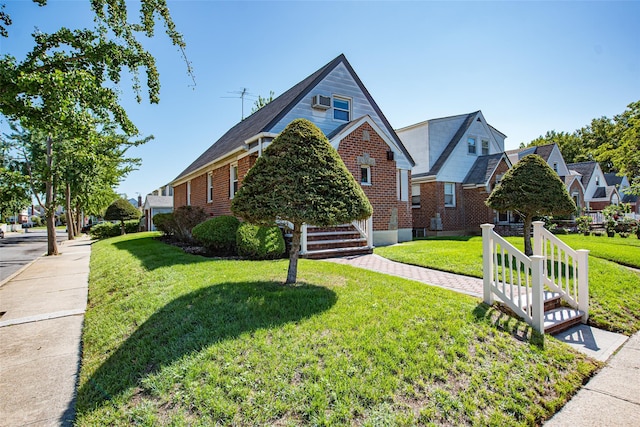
(201, 169)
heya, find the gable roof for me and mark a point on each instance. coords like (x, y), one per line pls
(613, 179)
(158, 201)
(266, 117)
(483, 169)
(543, 151)
(585, 169)
(451, 145)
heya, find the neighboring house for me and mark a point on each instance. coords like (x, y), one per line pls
(597, 193)
(154, 205)
(336, 101)
(551, 154)
(459, 160)
(622, 185)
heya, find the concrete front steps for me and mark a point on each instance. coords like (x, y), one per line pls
(329, 242)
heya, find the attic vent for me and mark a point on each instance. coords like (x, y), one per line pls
(321, 102)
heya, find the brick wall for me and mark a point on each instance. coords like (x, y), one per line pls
(388, 212)
(575, 187)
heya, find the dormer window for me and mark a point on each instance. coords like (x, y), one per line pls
(597, 180)
(341, 108)
(471, 144)
(485, 147)
(555, 167)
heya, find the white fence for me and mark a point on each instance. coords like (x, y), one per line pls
(519, 280)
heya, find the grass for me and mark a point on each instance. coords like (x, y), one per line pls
(622, 251)
(614, 291)
(175, 339)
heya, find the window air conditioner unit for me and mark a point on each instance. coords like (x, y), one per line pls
(321, 102)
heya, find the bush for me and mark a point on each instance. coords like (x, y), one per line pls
(165, 223)
(185, 219)
(255, 242)
(107, 229)
(36, 220)
(218, 234)
(584, 224)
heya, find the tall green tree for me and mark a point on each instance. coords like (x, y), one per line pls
(70, 79)
(300, 178)
(14, 185)
(570, 144)
(261, 102)
(531, 188)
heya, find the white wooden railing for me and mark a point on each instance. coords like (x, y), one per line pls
(566, 270)
(364, 227)
(519, 280)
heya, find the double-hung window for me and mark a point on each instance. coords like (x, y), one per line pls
(210, 187)
(449, 194)
(341, 108)
(485, 147)
(471, 145)
(233, 180)
(415, 195)
(188, 193)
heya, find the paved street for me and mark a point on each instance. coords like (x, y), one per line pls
(18, 249)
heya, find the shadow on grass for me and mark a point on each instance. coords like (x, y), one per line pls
(501, 318)
(154, 253)
(195, 321)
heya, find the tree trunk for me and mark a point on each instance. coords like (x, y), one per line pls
(50, 203)
(68, 213)
(79, 220)
(123, 231)
(526, 229)
(292, 273)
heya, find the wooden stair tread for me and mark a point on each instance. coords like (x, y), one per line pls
(560, 319)
(325, 242)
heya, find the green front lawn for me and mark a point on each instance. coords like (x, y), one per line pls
(622, 251)
(614, 290)
(176, 339)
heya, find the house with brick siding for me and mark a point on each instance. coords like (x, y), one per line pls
(459, 160)
(551, 154)
(334, 99)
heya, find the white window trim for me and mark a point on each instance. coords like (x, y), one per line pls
(413, 194)
(482, 141)
(189, 193)
(333, 108)
(453, 187)
(232, 180)
(402, 185)
(475, 145)
(210, 187)
(369, 180)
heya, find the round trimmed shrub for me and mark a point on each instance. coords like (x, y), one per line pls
(218, 234)
(165, 223)
(256, 242)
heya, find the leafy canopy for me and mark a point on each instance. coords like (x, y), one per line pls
(301, 178)
(531, 188)
(121, 210)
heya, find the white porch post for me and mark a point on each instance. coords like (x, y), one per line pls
(303, 240)
(538, 226)
(370, 231)
(583, 283)
(487, 262)
(537, 297)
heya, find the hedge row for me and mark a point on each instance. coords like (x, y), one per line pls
(107, 229)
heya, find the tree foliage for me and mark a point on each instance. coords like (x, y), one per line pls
(613, 143)
(301, 179)
(121, 210)
(261, 102)
(531, 188)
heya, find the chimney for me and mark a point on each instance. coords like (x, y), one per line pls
(139, 201)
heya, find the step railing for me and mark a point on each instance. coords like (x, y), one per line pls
(566, 270)
(363, 226)
(513, 277)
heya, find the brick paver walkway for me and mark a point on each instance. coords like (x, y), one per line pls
(455, 282)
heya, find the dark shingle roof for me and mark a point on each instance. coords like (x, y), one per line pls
(266, 117)
(585, 169)
(629, 198)
(452, 144)
(544, 151)
(613, 179)
(600, 193)
(483, 168)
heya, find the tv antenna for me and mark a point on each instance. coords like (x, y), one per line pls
(242, 94)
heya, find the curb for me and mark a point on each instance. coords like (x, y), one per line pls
(24, 267)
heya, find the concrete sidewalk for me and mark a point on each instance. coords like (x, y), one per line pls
(611, 398)
(40, 334)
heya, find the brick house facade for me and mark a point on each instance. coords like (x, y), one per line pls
(335, 100)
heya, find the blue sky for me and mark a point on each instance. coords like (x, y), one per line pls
(529, 66)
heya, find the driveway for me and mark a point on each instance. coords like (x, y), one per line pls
(19, 249)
